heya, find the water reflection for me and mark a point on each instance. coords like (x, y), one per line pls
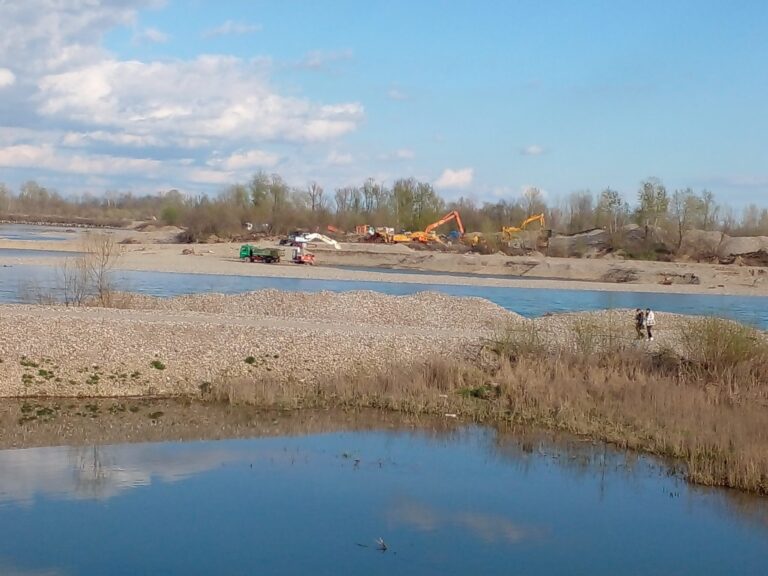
(446, 500)
(98, 472)
(490, 528)
(7, 570)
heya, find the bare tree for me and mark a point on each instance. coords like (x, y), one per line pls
(342, 198)
(100, 254)
(533, 201)
(315, 193)
(73, 280)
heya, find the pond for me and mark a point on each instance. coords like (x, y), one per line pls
(444, 501)
(18, 282)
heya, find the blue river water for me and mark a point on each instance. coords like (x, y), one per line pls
(15, 283)
(25, 232)
(466, 502)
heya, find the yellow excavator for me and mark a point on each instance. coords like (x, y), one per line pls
(509, 231)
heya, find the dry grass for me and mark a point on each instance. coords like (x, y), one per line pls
(707, 407)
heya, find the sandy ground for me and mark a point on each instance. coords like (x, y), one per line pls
(154, 253)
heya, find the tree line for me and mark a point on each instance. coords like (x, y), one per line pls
(270, 204)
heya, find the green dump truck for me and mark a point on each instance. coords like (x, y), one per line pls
(256, 254)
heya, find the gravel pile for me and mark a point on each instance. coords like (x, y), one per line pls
(173, 346)
(424, 309)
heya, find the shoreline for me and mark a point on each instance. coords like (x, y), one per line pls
(340, 273)
(155, 252)
(430, 354)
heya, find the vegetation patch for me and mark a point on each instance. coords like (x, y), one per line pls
(28, 363)
(704, 404)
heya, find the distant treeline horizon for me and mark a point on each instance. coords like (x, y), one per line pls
(269, 203)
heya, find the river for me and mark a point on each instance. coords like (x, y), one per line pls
(467, 500)
(21, 282)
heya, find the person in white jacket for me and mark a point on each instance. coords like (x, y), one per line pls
(650, 322)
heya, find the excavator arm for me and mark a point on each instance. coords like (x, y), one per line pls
(453, 215)
(321, 237)
(508, 230)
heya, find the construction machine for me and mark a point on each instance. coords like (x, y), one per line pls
(375, 234)
(306, 238)
(509, 231)
(429, 234)
(300, 254)
(256, 254)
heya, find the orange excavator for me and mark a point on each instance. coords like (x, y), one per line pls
(429, 235)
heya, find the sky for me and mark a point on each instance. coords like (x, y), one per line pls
(481, 99)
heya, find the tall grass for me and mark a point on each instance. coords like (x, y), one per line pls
(706, 406)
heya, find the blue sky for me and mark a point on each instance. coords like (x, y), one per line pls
(482, 99)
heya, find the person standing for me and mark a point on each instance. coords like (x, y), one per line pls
(639, 323)
(650, 322)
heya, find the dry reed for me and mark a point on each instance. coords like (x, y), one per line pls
(706, 407)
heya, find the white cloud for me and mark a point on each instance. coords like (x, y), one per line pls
(47, 157)
(150, 35)
(339, 159)
(532, 150)
(76, 106)
(7, 77)
(81, 139)
(248, 160)
(205, 176)
(396, 94)
(460, 178)
(318, 59)
(400, 154)
(232, 28)
(185, 98)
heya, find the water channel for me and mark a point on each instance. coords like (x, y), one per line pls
(19, 283)
(461, 500)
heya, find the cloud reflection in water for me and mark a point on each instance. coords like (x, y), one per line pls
(98, 472)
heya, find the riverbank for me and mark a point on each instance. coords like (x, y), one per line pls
(697, 392)
(150, 251)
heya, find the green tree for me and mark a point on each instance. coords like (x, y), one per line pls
(5, 198)
(653, 203)
(687, 211)
(427, 206)
(710, 210)
(258, 189)
(403, 192)
(611, 211)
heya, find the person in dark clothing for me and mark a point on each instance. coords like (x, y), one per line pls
(639, 323)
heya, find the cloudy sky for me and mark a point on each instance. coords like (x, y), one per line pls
(482, 99)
